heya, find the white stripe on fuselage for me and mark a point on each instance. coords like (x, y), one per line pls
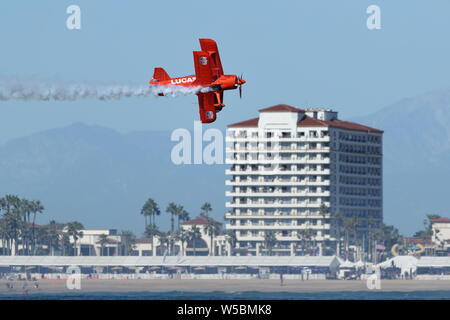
(182, 80)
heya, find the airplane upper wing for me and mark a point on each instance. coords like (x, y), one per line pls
(208, 66)
(210, 46)
(207, 109)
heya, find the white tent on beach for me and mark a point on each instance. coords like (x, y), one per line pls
(404, 263)
(347, 264)
(360, 264)
(434, 262)
(330, 262)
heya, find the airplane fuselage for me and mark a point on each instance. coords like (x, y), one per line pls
(224, 82)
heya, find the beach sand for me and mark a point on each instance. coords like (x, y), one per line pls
(224, 285)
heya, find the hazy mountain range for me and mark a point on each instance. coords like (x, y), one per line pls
(102, 177)
(416, 158)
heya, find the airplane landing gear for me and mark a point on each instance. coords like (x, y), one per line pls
(219, 107)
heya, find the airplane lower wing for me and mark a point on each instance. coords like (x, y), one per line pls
(207, 109)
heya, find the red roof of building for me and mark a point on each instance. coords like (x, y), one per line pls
(37, 226)
(198, 220)
(418, 240)
(306, 121)
(441, 220)
(281, 108)
(313, 122)
(247, 123)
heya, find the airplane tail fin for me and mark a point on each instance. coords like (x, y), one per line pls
(160, 74)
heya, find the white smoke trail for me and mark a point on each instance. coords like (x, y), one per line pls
(177, 90)
(31, 89)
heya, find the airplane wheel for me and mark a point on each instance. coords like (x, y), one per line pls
(218, 109)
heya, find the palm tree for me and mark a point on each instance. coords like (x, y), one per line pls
(173, 209)
(41, 240)
(171, 237)
(150, 209)
(26, 208)
(24, 233)
(74, 230)
(10, 204)
(164, 240)
(427, 231)
(350, 228)
(128, 241)
(389, 235)
(183, 237)
(36, 207)
(212, 229)
(205, 209)
(151, 231)
(102, 240)
(372, 228)
(305, 236)
(269, 241)
(194, 234)
(182, 215)
(65, 243)
(338, 226)
(53, 236)
(232, 240)
(347, 228)
(5, 236)
(178, 212)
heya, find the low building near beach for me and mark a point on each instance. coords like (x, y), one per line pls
(441, 235)
(98, 242)
(203, 245)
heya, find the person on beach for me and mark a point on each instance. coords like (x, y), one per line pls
(281, 279)
(24, 288)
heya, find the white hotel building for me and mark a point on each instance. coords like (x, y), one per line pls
(291, 170)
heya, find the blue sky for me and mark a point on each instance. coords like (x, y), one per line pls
(318, 53)
(304, 53)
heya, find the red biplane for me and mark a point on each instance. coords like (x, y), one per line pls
(208, 75)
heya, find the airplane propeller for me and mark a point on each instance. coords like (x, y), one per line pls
(240, 81)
